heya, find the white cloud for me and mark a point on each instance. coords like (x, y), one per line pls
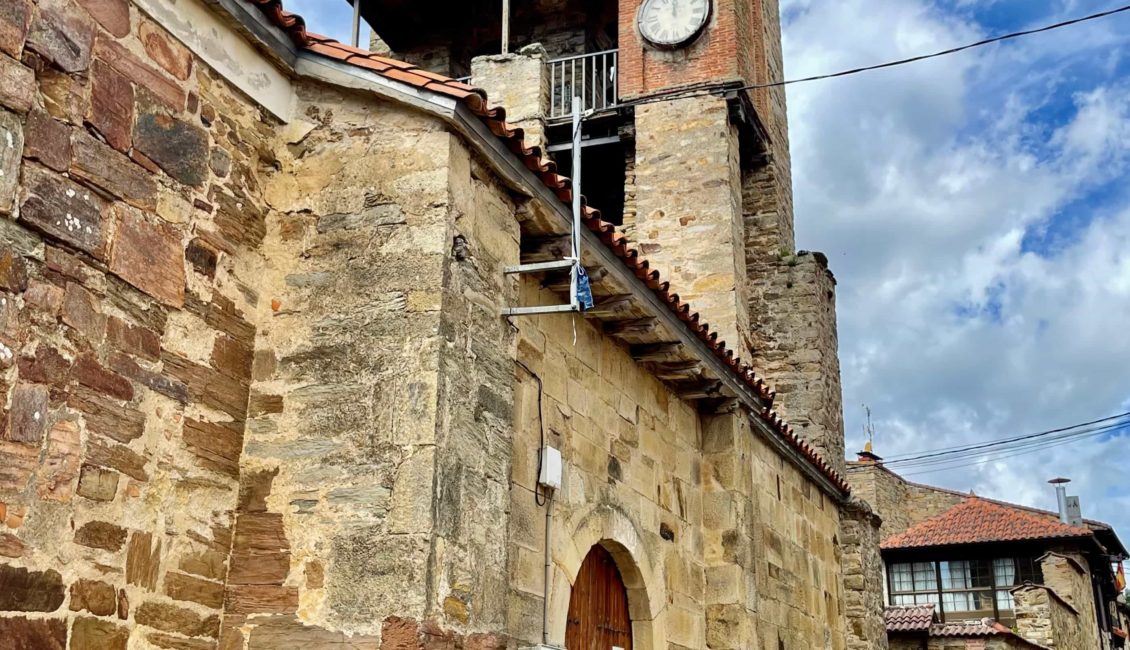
(920, 183)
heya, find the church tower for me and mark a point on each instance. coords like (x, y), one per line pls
(685, 148)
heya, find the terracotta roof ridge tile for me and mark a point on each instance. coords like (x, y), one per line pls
(495, 119)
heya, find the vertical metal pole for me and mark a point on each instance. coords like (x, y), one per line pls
(548, 584)
(576, 198)
(505, 26)
(357, 23)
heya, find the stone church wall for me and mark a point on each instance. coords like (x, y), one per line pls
(131, 225)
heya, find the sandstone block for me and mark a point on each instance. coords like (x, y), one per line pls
(239, 221)
(81, 311)
(33, 634)
(179, 148)
(260, 531)
(218, 446)
(11, 148)
(15, 20)
(91, 374)
(48, 140)
(65, 210)
(209, 564)
(13, 273)
(171, 618)
(17, 462)
(210, 387)
(175, 58)
(259, 568)
(61, 462)
(261, 599)
(97, 484)
(180, 586)
(232, 357)
(111, 105)
(115, 173)
(133, 339)
(143, 560)
(113, 15)
(27, 416)
(94, 634)
(64, 96)
(170, 642)
(117, 457)
(63, 34)
(22, 590)
(105, 416)
(17, 85)
(94, 596)
(150, 257)
(164, 89)
(101, 534)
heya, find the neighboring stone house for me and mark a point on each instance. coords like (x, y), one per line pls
(998, 565)
(259, 392)
(916, 627)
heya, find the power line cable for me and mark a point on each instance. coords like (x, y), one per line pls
(674, 94)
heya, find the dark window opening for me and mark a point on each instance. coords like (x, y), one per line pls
(603, 167)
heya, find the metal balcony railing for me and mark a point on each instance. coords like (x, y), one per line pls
(592, 77)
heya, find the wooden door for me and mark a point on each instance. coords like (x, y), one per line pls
(598, 607)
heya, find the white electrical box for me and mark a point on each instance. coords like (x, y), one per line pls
(550, 475)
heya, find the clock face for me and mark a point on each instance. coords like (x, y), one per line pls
(669, 23)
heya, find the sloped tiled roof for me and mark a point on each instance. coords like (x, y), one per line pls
(475, 99)
(977, 520)
(908, 618)
(982, 627)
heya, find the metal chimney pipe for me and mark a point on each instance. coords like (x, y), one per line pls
(1061, 496)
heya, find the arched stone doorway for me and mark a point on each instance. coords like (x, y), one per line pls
(598, 616)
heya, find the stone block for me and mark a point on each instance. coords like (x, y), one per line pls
(97, 484)
(209, 387)
(218, 446)
(60, 208)
(27, 415)
(88, 372)
(208, 563)
(101, 534)
(81, 311)
(113, 15)
(15, 20)
(178, 147)
(94, 634)
(106, 416)
(166, 52)
(171, 618)
(17, 462)
(108, 169)
(261, 599)
(410, 508)
(22, 590)
(48, 140)
(17, 85)
(202, 257)
(57, 473)
(11, 148)
(133, 339)
(111, 105)
(150, 257)
(166, 386)
(259, 568)
(65, 97)
(94, 596)
(260, 531)
(180, 586)
(33, 634)
(131, 67)
(63, 34)
(46, 367)
(143, 560)
(170, 642)
(117, 457)
(11, 546)
(13, 273)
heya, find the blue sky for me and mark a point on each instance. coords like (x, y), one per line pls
(976, 212)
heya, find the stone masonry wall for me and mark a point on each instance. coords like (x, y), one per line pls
(1043, 618)
(1068, 574)
(131, 218)
(901, 504)
(863, 577)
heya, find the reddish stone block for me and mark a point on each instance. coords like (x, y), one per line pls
(17, 85)
(18, 461)
(111, 105)
(60, 208)
(11, 145)
(27, 416)
(95, 634)
(15, 20)
(105, 416)
(143, 560)
(164, 89)
(47, 366)
(400, 634)
(101, 534)
(175, 58)
(232, 357)
(112, 171)
(94, 596)
(13, 273)
(217, 446)
(62, 34)
(133, 339)
(11, 546)
(33, 634)
(150, 257)
(113, 15)
(88, 372)
(259, 568)
(47, 140)
(64, 96)
(81, 311)
(56, 476)
(261, 599)
(22, 590)
(180, 148)
(117, 457)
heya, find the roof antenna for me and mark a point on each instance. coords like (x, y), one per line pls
(869, 430)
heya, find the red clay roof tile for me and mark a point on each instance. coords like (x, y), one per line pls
(908, 618)
(495, 119)
(977, 520)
